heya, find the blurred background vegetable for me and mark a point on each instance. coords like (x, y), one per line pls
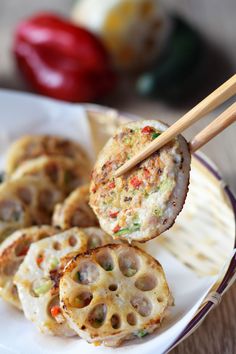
(61, 60)
(160, 51)
(134, 31)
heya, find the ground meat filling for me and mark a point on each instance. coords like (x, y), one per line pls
(136, 201)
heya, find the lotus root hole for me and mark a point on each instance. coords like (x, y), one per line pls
(10, 211)
(115, 321)
(131, 319)
(128, 263)
(113, 287)
(56, 245)
(40, 287)
(146, 282)
(105, 260)
(94, 241)
(54, 302)
(22, 249)
(86, 273)
(82, 300)
(72, 241)
(142, 305)
(25, 195)
(46, 199)
(98, 315)
(52, 172)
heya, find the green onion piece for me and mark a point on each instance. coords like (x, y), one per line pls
(130, 272)
(142, 333)
(108, 267)
(155, 135)
(44, 288)
(158, 212)
(123, 232)
(135, 227)
(79, 277)
(54, 263)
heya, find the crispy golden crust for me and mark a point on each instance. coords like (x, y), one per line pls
(37, 278)
(65, 173)
(75, 211)
(114, 293)
(25, 202)
(143, 203)
(12, 253)
(33, 146)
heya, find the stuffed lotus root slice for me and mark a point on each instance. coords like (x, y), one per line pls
(144, 202)
(115, 309)
(34, 146)
(39, 275)
(62, 172)
(86, 273)
(75, 210)
(12, 253)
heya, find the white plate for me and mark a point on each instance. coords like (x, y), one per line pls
(24, 113)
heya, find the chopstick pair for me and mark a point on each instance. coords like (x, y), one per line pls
(208, 104)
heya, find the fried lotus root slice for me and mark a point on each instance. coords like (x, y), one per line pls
(12, 253)
(27, 201)
(145, 202)
(75, 210)
(33, 146)
(114, 293)
(66, 174)
(38, 277)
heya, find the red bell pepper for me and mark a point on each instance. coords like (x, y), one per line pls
(61, 60)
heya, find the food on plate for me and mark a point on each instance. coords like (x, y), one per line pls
(114, 293)
(61, 60)
(65, 173)
(12, 253)
(29, 147)
(75, 210)
(143, 203)
(132, 30)
(37, 279)
(24, 202)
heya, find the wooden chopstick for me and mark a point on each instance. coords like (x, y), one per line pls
(208, 104)
(214, 128)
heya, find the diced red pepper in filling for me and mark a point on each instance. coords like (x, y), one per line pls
(111, 185)
(116, 229)
(135, 182)
(146, 173)
(55, 311)
(114, 214)
(94, 189)
(147, 130)
(39, 260)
